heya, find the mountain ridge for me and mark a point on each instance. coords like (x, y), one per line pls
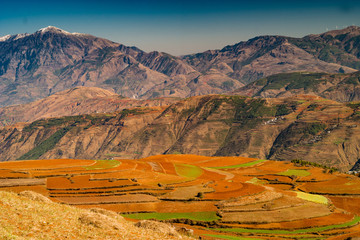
(33, 66)
(339, 87)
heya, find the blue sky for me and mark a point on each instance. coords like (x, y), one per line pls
(180, 27)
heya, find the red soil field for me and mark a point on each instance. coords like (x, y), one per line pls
(39, 189)
(46, 164)
(341, 184)
(5, 173)
(153, 185)
(167, 206)
(334, 218)
(223, 161)
(350, 204)
(244, 189)
(130, 198)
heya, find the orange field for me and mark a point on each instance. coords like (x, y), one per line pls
(216, 196)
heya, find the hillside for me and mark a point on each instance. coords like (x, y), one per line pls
(34, 66)
(335, 51)
(303, 127)
(211, 197)
(337, 46)
(29, 215)
(338, 87)
(75, 101)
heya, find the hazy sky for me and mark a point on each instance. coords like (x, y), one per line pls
(179, 27)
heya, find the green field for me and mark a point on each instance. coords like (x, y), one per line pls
(196, 216)
(356, 220)
(188, 171)
(256, 181)
(103, 164)
(312, 197)
(295, 172)
(248, 164)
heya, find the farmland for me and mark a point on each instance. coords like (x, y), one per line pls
(217, 197)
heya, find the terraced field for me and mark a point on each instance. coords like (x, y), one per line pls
(218, 197)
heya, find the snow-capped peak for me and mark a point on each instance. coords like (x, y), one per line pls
(12, 37)
(4, 38)
(52, 29)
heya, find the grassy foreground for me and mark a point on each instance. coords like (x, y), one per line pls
(24, 218)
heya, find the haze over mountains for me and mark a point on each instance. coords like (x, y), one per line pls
(89, 97)
(33, 66)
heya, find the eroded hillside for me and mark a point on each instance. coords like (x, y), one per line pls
(303, 127)
(75, 101)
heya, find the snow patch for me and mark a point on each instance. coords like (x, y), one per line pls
(58, 30)
(13, 37)
(18, 36)
(4, 38)
(52, 29)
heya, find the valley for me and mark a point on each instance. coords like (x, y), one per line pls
(217, 197)
(256, 140)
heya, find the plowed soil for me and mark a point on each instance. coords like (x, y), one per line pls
(188, 183)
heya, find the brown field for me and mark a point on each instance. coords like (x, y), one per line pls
(21, 182)
(350, 204)
(164, 206)
(135, 198)
(334, 218)
(6, 173)
(305, 211)
(250, 197)
(341, 184)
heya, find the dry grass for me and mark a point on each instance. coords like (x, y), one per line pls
(23, 218)
(34, 196)
(158, 227)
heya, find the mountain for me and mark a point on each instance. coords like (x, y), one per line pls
(304, 127)
(337, 46)
(34, 66)
(266, 55)
(339, 87)
(75, 101)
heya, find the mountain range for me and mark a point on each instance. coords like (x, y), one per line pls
(34, 66)
(74, 95)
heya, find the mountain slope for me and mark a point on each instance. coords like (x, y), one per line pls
(338, 87)
(34, 66)
(303, 127)
(338, 46)
(75, 101)
(266, 55)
